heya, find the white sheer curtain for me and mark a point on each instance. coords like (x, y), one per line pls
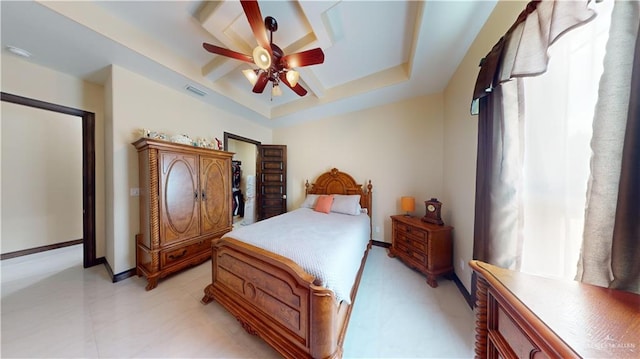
(522, 52)
(558, 118)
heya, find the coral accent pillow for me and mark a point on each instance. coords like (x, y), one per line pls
(324, 204)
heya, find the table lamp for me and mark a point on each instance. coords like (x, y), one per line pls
(408, 204)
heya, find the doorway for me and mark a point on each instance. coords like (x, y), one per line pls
(88, 168)
(243, 177)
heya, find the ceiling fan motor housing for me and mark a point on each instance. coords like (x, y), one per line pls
(271, 24)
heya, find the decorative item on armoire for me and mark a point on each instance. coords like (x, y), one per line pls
(408, 205)
(433, 212)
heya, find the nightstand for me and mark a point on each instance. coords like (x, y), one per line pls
(423, 246)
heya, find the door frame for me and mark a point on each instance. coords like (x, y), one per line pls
(228, 136)
(88, 169)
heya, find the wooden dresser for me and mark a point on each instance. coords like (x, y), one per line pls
(525, 316)
(423, 246)
(185, 202)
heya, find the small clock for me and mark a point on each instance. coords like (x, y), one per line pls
(434, 209)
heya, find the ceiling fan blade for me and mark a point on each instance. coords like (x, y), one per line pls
(297, 88)
(226, 52)
(304, 58)
(252, 11)
(261, 83)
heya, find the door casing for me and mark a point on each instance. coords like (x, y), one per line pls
(88, 170)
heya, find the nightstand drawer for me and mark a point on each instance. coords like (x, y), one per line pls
(412, 231)
(412, 242)
(407, 252)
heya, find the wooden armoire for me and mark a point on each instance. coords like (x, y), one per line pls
(185, 202)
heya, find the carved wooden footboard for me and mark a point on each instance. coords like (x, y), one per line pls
(274, 298)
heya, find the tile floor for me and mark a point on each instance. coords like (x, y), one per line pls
(52, 307)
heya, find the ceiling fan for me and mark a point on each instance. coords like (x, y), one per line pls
(273, 64)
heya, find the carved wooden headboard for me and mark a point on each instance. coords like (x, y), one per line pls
(336, 182)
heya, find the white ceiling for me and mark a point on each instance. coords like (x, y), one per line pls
(375, 52)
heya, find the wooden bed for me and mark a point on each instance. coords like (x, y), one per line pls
(274, 298)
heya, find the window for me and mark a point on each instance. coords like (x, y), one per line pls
(559, 111)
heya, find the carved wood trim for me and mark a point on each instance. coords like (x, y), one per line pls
(336, 182)
(154, 184)
(481, 319)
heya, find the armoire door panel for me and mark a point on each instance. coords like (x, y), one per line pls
(179, 196)
(215, 207)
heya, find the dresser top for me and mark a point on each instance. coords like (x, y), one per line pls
(418, 222)
(594, 322)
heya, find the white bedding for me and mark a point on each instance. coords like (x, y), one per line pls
(329, 246)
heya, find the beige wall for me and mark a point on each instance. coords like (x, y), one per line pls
(126, 103)
(246, 153)
(137, 102)
(25, 79)
(41, 177)
(399, 147)
(460, 136)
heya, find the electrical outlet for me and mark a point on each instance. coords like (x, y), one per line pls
(134, 192)
(377, 229)
(462, 264)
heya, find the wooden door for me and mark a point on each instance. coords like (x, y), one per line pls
(215, 194)
(272, 180)
(179, 196)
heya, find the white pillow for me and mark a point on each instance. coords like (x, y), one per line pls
(310, 201)
(346, 204)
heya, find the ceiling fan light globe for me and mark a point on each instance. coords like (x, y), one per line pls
(276, 91)
(292, 77)
(251, 75)
(261, 57)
